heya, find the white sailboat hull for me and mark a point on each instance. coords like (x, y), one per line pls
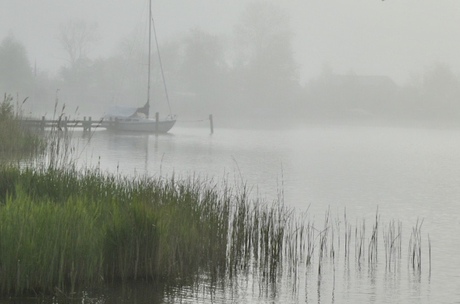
(136, 119)
(141, 125)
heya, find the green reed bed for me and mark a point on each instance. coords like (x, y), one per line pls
(309, 246)
(67, 230)
(256, 236)
(14, 139)
(63, 230)
(45, 245)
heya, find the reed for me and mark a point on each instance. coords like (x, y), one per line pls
(64, 228)
(415, 246)
(360, 232)
(46, 245)
(392, 244)
(323, 237)
(60, 149)
(347, 237)
(311, 241)
(429, 254)
(67, 229)
(16, 140)
(373, 242)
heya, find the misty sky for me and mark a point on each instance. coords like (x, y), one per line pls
(398, 38)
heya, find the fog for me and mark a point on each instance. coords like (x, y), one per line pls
(293, 61)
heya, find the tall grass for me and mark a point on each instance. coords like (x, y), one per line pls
(89, 228)
(14, 139)
(41, 249)
(415, 247)
(392, 243)
(65, 230)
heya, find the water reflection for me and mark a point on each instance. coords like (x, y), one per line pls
(406, 173)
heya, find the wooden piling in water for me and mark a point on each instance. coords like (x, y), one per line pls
(60, 124)
(86, 124)
(157, 122)
(211, 123)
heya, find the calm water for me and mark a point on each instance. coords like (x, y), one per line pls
(408, 174)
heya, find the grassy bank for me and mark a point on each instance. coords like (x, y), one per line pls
(14, 139)
(67, 230)
(64, 230)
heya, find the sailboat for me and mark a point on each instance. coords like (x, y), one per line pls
(134, 119)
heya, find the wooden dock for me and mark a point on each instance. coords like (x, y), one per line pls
(64, 123)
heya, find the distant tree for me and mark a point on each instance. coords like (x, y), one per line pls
(264, 60)
(15, 70)
(263, 37)
(76, 38)
(440, 93)
(202, 70)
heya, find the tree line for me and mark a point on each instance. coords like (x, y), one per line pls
(248, 78)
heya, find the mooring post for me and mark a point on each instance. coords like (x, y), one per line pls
(83, 124)
(59, 123)
(90, 122)
(42, 125)
(65, 124)
(157, 122)
(211, 123)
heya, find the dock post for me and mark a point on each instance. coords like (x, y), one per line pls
(211, 123)
(42, 124)
(157, 122)
(84, 125)
(89, 123)
(65, 124)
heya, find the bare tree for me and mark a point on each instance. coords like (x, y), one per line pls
(15, 69)
(264, 62)
(76, 38)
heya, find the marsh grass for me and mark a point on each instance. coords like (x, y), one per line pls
(415, 247)
(14, 139)
(61, 149)
(310, 246)
(392, 244)
(40, 247)
(66, 229)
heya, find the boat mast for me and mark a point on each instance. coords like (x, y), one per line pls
(150, 47)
